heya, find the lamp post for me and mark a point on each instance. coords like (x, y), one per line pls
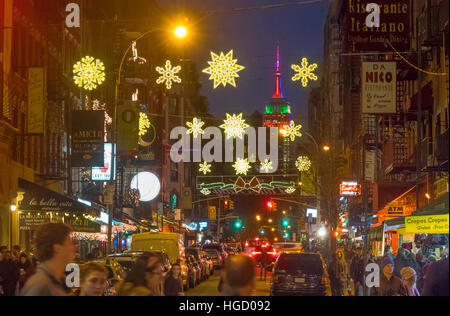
(179, 32)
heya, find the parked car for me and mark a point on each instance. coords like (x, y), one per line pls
(299, 274)
(209, 263)
(215, 257)
(222, 253)
(195, 271)
(197, 253)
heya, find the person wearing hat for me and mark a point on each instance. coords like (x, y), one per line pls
(390, 285)
(409, 281)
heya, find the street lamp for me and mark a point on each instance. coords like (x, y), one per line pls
(13, 208)
(180, 31)
(326, 148)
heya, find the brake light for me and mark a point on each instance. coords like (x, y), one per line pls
(246, 244)
(254, 253)
(273, 253)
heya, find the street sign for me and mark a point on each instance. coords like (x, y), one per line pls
(212, 213)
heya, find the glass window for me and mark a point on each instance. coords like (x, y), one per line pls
(307, 263)
(269, 109)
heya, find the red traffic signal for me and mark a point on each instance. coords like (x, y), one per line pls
(269, 204)
(226, 202)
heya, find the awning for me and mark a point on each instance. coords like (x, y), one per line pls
(40, 199)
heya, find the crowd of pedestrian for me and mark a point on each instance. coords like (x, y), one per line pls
(403, 274)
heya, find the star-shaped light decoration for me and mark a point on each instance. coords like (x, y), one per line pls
(204, 167)
(241, 166)
(195, 127)
(303, 163)
(266, 166)
(290, 190)
(89, 73)
(292, 131)
(144, 124)
(223, 69)
(168, 75)
(304, 72)
(205, 191)
(234, 126)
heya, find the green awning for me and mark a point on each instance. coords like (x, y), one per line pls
(376, 233)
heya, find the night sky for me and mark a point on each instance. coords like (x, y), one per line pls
(253, 35)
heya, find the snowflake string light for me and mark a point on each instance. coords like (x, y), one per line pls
(168, 74)
(234, 126)
(241, 166)
(89, 73)
(144, 124)
(303, 163)
(204, 167)
(304, 72)
(195, 127)
(290, 190)
(266, 166)
(223, 69)
(205, 191)
(292, 131)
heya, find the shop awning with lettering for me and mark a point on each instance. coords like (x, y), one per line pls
(40, 199)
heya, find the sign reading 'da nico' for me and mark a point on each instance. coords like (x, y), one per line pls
(379, 87)
(394, 26)
(88, 138)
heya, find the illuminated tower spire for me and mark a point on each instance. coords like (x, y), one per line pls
(278, 92)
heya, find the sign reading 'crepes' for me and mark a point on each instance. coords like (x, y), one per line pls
(432, 224)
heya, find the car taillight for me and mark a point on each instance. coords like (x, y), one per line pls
(273, 253)
(254, 253)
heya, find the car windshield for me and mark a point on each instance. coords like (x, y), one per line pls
(307, 263)
(127, 264)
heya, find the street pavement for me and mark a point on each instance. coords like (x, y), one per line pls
(209, 287)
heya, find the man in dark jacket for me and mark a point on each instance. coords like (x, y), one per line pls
(390, 285)
(9, 272)
(239, 276)
(436, 282)
(357, 271)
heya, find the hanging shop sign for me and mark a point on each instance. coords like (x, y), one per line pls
(432, 224)
(108, 172)
(379, 87)
(349, 189)
(35, 113)
(88, 138)
(128, 129)
(394, 26)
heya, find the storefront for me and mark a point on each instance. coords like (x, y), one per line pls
(426, 229)
(41, 205)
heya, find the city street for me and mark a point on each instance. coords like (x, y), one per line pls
(210, 287)
(145, 142)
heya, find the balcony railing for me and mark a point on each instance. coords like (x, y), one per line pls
(397, 156)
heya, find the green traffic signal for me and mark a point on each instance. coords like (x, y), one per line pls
(237, 225)
(285, 222)
(263, 232)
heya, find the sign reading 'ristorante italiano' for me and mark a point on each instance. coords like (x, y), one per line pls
(394, 26)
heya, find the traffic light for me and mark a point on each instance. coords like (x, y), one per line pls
(262, 231)
(237, 224)
(269, 204)
(286, 235)
(231, 205)
(285, 222)
(226, 204)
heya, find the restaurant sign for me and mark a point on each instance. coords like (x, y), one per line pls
(432, 224)
(394, 26)
(88, 138)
